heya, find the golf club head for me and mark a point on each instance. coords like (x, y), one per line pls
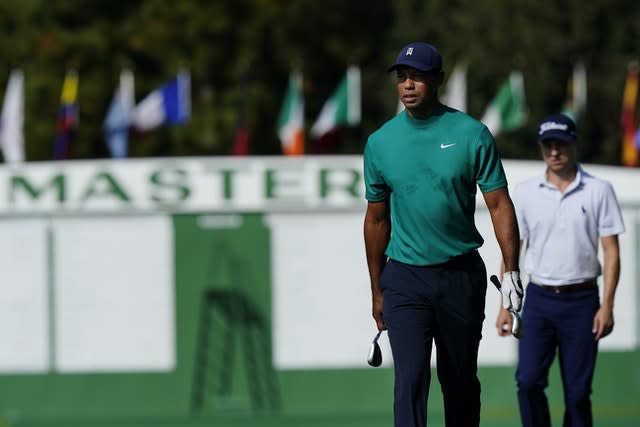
(516, 329)
(374, 358)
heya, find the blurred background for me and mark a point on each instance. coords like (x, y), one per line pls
(181, 202)
(240, 54)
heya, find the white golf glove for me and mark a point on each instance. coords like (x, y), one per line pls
(511, 291)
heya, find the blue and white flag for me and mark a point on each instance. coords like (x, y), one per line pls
(170, 104)
(116, 124)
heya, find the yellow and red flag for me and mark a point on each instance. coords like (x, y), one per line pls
(629, 121)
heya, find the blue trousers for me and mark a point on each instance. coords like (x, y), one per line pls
(563, 322)
(442, 304)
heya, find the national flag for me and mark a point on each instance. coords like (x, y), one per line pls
(291, 118)
(342, 108)
(116, 124)
(67, 116)
(12, 124)
(628, 119)
(170, 104)
(241, 141)
(455, 91)
(507, 111)
(576, 101)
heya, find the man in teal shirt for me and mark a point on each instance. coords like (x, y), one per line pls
(428, 281)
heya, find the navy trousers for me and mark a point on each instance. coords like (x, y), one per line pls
(561, 321)
(442, 304)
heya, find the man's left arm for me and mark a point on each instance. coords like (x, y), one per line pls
(603, 320)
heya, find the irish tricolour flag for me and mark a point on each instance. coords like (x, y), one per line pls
(291, 119)
(343, 108)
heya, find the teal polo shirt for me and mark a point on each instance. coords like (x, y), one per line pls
(429, 170)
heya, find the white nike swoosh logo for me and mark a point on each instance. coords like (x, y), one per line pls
(446, 145)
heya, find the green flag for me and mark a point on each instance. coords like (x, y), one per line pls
(507, 111)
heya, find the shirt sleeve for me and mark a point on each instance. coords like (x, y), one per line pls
(376, 190)
(490, 174)
(610, 217)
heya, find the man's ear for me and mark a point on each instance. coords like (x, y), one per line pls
(440, 78)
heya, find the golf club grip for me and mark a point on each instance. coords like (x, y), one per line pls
(494, 279)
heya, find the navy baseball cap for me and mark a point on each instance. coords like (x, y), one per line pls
(418, 55)
(558, 127)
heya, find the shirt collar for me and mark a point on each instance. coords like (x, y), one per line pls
(542, 180)
(438, 110)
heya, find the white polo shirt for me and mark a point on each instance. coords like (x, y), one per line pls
(562, 230)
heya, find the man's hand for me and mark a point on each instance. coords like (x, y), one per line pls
(504, 322)
(512, 292)
(603, 322)
(377, 310)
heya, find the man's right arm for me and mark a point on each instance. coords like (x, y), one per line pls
(377, 232)
(505, 225)
(504, 322)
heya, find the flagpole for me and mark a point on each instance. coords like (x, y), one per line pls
(51, 284)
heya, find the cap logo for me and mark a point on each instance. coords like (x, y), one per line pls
(544, 127)
(409, 51)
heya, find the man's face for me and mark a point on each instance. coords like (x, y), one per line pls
(558, 155)
(418, 89)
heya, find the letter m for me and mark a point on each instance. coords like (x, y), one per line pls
(21, 185)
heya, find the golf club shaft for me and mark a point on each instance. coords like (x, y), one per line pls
(495, 281)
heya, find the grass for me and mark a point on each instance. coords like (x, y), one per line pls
(362, 398)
